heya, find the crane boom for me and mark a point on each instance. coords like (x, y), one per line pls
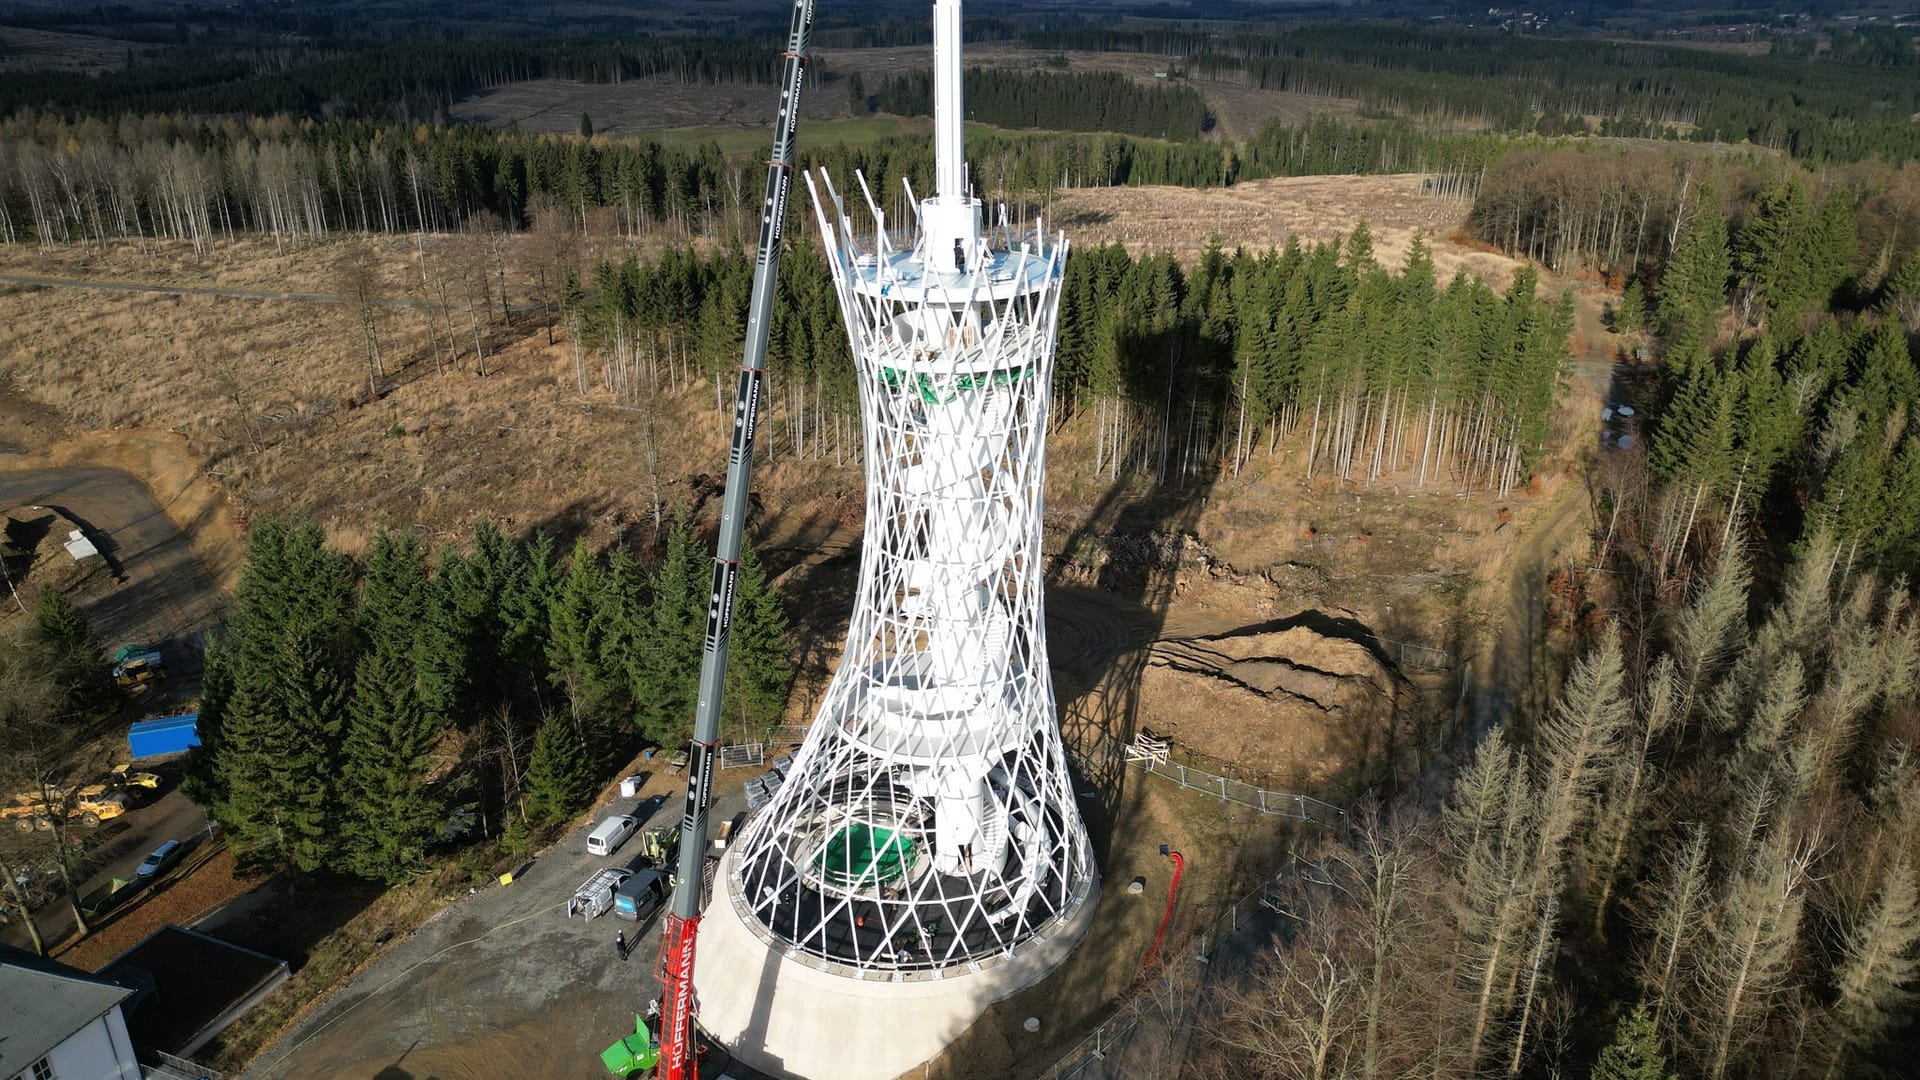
(677, 1058)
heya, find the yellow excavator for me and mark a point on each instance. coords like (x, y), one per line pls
(87, 805)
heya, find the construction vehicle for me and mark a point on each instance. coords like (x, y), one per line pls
(32, 811)
(120, 778)
(87, 804)
(659, 844)
(676, 1056)
(136, 667)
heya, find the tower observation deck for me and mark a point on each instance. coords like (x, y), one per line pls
(924, 857)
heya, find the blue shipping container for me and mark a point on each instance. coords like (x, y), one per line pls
(167, 735)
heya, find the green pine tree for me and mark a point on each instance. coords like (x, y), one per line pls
(526, 600)
(1771, 256)
(575, 645)
(1630, 317)
(560, 774)
(77, 651)
(450, 633)
(277, 705)
(1694, 438)
(1900, 293)
(666, 674)
(760, 651)
(1693, 287)
(388, 815)
(1635, 1053)
(305, 788)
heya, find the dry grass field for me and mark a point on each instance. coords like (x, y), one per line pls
(49, 50)
(270, 396)
(1259, 214)
(657, 104)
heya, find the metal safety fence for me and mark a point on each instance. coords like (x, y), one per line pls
(1287, 804)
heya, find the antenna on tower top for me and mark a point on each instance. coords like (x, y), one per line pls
(949, 106)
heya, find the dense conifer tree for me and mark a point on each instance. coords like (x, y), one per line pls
(76, 649)
(388, 813)
(759, 657)
(560, 774)
(1635, 1052)
(576, 648)
(1693, 286)
(666, 675)
(278, 729)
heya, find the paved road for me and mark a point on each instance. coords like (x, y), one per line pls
(124, 841)
(181, 290)
(165, 596)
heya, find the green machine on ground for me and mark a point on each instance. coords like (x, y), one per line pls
(633, 1055)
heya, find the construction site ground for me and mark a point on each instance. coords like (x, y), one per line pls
(500, 982)
(158, 592)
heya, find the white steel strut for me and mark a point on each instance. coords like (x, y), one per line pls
(928, 823)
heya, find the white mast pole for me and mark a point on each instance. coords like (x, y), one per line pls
(949, 106)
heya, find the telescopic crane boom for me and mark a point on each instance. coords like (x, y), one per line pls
(677, 1058)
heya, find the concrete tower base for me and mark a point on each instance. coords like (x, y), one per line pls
(800, 1016)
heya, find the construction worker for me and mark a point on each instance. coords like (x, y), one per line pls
(620, 944)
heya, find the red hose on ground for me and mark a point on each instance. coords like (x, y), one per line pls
(1173, 890)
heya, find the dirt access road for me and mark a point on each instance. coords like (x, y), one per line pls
(182, 290)
(165, 597)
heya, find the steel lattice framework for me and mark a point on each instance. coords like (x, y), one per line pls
(928, 821)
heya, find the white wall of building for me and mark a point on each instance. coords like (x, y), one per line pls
(99, 1051)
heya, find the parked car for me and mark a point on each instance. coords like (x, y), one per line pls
(640, 896)
(162, 857)
(606, 837)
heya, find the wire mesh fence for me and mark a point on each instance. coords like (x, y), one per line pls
(1287, 804)
(1278, 803)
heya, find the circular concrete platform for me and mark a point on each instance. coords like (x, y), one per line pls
(790, 1014)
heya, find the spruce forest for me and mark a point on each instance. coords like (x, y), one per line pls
(1185, 369)
(358, 715)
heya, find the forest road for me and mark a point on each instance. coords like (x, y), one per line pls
(165, 597)
(183, 290)
(1506, 670)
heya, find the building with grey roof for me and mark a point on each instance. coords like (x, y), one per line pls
(60, 1023)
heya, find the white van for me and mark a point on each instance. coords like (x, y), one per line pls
(606, 837)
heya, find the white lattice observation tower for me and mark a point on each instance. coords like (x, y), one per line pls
(927, 832)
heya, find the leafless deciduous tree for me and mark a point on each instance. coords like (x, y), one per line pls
(34, 743)
(356, 275)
